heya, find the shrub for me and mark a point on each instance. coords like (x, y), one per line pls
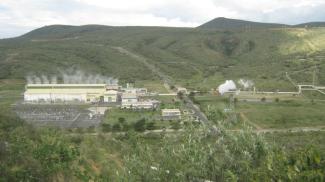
(125, 126)
(121, 120)
(151, 126)
(176, 125)
(106, 127)
(140, 125)
(116, 127)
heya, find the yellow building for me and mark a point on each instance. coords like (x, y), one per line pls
(69, 92)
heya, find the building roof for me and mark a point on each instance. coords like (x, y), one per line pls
(129, 96)
(65, 85)
(62, 91)
(64, 88)
(170, 110)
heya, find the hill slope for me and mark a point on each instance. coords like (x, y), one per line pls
(311, 24)
(222, 23)
(231, 24)
(195, 58)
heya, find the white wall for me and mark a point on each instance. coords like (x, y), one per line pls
(53, 97)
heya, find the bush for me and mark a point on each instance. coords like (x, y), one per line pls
(121, 120)
(140, 125)
(106, 127)
(263, 99)
(116, 127)
(125, 126)
(176, 125)
(151, 126)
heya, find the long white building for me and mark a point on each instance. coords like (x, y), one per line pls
(69, 92)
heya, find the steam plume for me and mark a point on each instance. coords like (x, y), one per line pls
(246, 84)
(227, 86)
(71, 77)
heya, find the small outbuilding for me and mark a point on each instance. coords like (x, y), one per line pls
(171, 114)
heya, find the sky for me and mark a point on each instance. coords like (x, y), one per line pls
(21, 16)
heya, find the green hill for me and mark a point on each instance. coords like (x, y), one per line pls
(194, 57)
(311, 24)
(222, 23)
(231, 24)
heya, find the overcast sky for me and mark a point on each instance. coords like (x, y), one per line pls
(20, 16)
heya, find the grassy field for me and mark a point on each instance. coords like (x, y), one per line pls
(288, 112)
(284, 114)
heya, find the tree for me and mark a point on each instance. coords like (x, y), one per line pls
(140, 125)
(121, 120)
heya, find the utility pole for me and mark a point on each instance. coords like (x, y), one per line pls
(314, 75)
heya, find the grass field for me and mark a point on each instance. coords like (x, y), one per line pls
(284, 114)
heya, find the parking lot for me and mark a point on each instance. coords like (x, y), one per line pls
(62, 116)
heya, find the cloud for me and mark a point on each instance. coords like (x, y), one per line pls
(20, 16)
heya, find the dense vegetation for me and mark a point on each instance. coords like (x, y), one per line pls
(30, 154)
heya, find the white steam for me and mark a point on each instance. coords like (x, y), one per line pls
(54, 80)
(246, 84)
(227, 86)
(76, 77)
(45, 80)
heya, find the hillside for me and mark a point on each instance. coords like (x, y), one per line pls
(311, 24)
(234, 24)
(188, 55)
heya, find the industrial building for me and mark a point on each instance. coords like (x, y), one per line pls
(132, 90)
(171, 114)
(129, 100)
(88, 93)
(69, 93)
(132, 101)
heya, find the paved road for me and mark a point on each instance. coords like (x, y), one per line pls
(168, 81)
